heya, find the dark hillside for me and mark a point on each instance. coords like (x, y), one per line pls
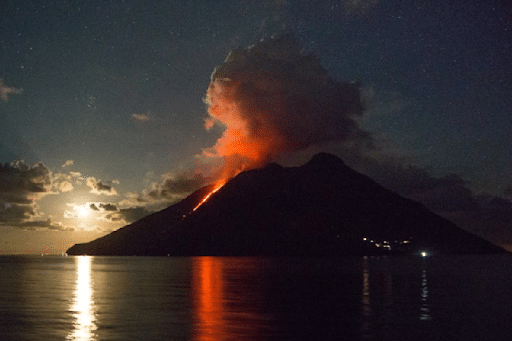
(320, 208)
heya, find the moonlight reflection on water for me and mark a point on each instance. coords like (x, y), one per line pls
(83, 306)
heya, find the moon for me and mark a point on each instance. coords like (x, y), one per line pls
(82, 211)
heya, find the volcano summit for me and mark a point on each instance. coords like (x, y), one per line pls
(321, 208)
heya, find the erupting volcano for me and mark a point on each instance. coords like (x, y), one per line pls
(321, 208)
(273, 99)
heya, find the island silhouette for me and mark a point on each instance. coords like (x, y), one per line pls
(323, 208)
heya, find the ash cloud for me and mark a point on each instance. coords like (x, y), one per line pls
(273, 99)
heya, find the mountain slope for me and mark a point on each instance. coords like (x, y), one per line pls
(320, 208)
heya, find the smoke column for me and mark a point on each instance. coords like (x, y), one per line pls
(273, 99)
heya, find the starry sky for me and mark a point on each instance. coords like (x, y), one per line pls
(108, 109)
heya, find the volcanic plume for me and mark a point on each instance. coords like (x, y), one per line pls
(273, 99)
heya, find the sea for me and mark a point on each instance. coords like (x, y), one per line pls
(216, 298)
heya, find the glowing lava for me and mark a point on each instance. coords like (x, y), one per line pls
(217, 187)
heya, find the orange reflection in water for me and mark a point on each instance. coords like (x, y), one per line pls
(207, 289)
(83, 305)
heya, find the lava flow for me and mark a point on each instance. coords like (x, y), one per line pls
(217, 187)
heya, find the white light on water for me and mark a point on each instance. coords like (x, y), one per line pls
(82, 310)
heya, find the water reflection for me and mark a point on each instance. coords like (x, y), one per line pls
(425, 308)
(393, 288)
(84, 325)
(366, 304)
(208, 288)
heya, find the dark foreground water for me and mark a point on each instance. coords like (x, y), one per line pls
(203, 298)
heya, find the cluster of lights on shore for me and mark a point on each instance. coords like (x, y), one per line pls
(385, 244)
(388, 245)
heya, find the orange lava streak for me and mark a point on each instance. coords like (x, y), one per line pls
(217, 187)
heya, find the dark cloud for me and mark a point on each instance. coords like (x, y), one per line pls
(107, 207)
(98, 187)
(19, 178)
(102, 207)
(20, 186)
(127, 215)
(174, 187)
(449, 196)
(12, 214)
(444, 194)
(273, 99)
(47, 224)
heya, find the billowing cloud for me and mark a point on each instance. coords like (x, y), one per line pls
(127, 215)
(107, 207)
(19, 178)
(67, 163)
(5, 91)
(65, 186)
(273, 99)
(63, 182)
(174, 186)
(16, 213)
(98, 187)
(141, 117)
(21, 186)
(77, 211)
(108, 212)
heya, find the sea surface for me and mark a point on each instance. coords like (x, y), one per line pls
(212, 298)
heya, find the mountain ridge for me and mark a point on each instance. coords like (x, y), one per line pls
(320, 208)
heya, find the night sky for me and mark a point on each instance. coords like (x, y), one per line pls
(105, 105)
